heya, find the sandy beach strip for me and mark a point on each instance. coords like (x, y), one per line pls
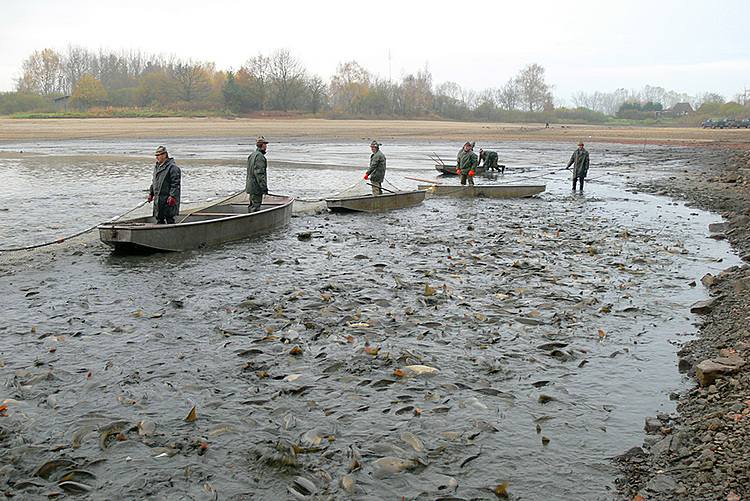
(366, 130)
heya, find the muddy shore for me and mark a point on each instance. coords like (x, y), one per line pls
(701, 452)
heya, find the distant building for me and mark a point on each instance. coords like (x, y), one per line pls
(61, 103)
(682, 109)
(676, 111)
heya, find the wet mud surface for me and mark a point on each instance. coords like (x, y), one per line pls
(463, 347)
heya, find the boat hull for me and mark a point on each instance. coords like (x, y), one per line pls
(371, 203)
(221, 223)
(484, 190)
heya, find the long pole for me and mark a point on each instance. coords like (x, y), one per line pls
(423, 180)
(385, 189)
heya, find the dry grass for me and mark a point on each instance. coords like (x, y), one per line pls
(276, 129)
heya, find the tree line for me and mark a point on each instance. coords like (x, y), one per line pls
(280, 82)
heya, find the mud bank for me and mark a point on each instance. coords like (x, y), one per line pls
(702, 452)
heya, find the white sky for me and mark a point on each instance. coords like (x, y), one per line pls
(686, 46)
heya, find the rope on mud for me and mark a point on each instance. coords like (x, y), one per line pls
(61, 240)
(542, 175)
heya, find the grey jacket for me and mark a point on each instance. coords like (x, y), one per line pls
(256, 183)
(165, 184)
(581, 160)
(376, 172)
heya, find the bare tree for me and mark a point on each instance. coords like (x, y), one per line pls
(653, 94)
(535, 92)
(417, 93)
(708, 97)
(508, 97)
(488, 96)
(592, 101)
(76, 63)
(287, 77)
(42, 73)
(257, 75)
(316, 94)
(349, 85)
(190, 80)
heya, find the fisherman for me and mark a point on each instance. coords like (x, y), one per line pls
(165, 187)
(462, 152)
(469, 162)
(376, 172)
(256, 184)
(490, 161)
(580, 161)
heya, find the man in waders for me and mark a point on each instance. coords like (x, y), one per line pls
(376, 172)
(469, 162)
(580, 162)
(165, 187)
(256, 184)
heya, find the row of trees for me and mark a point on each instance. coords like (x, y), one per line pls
(649, 97)
(280, 81)
(275, 82)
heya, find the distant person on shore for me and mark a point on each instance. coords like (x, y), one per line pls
(469, 162)
(580, 162)
(490, 161)
(257, 184)
(165, 187)
(376, 173)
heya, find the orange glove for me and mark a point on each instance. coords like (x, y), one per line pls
(367, 177)
(458, 171)
(171, 202)
(471, 173)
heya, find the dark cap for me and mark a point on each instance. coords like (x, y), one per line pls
(160, 150)
(261, 140)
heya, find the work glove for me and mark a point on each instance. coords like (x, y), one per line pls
(367, 177)
(471, 173)
(150, 197)
(458, 171)
(171, 201)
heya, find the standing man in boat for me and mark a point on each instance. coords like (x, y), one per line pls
(256, 184)
(490, 161)
(165, 187)
(469, 162)
(580, 161)
(376, 172)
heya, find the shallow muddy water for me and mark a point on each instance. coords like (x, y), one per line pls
(436, 351)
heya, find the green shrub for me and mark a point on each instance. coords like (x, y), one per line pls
(20, 102)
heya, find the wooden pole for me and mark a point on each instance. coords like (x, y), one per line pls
(423, 180)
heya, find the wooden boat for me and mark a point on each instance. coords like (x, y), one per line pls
(213, 225)
(371, 203)
(484, 190)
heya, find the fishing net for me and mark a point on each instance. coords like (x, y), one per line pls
(363, 187)
(90, 236)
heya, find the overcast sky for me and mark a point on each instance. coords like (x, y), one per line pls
(686, 46)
